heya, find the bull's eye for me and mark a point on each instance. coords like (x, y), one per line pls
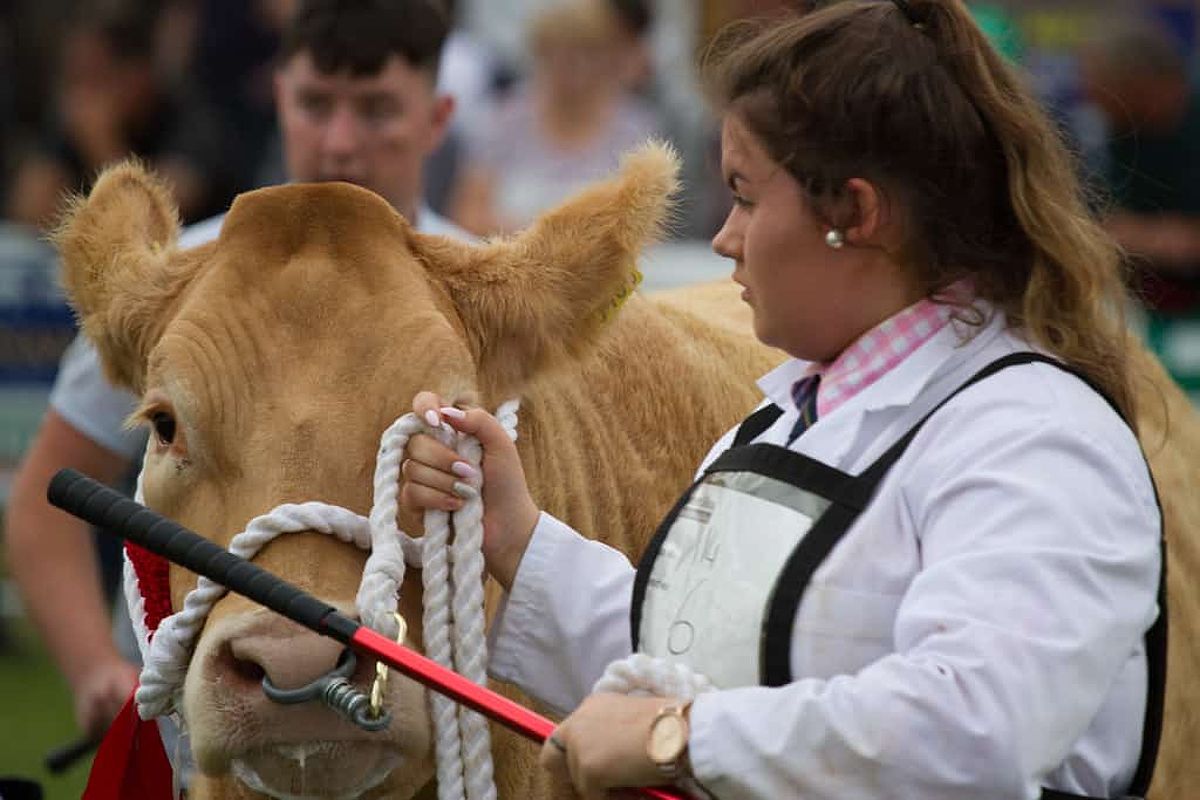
(164, 426)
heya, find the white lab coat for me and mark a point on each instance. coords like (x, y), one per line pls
(976, 634)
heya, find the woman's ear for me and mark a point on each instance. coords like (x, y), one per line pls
(865, 211)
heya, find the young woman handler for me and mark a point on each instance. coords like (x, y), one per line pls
(928, 567)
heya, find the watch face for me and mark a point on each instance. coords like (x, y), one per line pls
(668, 737)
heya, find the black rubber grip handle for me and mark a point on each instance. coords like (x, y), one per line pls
(90, 500)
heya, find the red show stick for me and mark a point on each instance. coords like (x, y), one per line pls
(83, 497)
(495, 706)
(479, 698)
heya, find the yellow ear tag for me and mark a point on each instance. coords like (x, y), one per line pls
(609, 311)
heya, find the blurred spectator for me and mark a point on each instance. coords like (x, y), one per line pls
(664, 80)
(1134, 73)
(565, 125)
(232, 63)
(112, 102)
(722, 13)
(706, 195)
(469, 72)
(8, 89)
(634, 21)
(30, 31)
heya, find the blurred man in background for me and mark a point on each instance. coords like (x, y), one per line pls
(356, 98)
(1136, 76)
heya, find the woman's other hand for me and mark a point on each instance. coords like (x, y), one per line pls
(602, 745)
(434, 477)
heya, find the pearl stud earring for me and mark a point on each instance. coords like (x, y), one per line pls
(835, 239)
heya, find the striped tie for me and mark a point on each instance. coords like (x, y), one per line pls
(804, 393)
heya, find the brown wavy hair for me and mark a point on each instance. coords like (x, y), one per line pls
(934, 117)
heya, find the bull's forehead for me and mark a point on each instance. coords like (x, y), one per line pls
(320, 235)
(312, 317)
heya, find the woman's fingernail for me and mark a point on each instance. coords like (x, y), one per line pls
(465, 491)
(454, 413)
(464, 470)
(432, 419)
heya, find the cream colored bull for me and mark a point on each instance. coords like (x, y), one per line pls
(279, 353)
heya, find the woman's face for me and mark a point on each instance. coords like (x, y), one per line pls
(808, 299)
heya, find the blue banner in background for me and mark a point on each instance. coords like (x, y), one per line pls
(36, 324)
(1180, 20)
(1046, 39)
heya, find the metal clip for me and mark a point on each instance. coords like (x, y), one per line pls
(334, 690)
(381, 669)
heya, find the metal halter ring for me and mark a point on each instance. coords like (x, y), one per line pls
(347, 661)
(334, 690)
(381, 670)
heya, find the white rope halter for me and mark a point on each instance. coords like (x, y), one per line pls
(452, 574)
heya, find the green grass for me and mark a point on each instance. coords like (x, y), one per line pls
(35, 714)
(35, 707)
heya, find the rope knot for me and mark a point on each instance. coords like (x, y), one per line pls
(641, 674)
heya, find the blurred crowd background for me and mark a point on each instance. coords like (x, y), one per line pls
(549, 93)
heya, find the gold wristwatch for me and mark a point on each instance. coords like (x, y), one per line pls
(667, 742)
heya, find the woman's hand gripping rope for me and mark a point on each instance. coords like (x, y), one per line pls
(434, 477)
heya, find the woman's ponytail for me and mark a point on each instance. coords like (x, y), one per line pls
(1074, 300)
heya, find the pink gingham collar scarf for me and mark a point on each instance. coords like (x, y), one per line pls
(877, 351)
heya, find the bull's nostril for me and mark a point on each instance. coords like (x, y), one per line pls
(249, 671)
(289, 661)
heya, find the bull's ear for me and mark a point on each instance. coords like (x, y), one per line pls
(543, 294)
(120, 267)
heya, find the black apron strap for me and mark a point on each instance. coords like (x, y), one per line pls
(756, 423)
(873, 475)
(854, 496)
(1155, 638)
(849, 496)
(751, 428)
(788, 466)
(775, 656)
(641, 578)
(1156, 676)
(848, 501)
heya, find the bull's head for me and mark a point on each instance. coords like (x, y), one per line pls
(269, 362)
